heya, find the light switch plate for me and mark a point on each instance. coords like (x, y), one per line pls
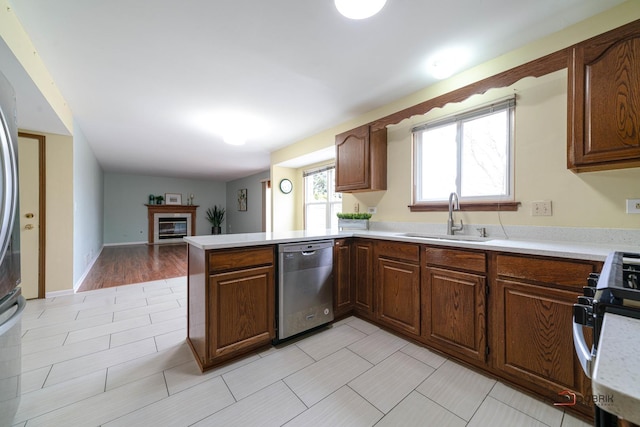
(633, 206)
(541, 208)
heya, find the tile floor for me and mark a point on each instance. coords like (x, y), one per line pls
(118, 357)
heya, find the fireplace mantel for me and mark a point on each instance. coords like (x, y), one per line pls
(169, 209)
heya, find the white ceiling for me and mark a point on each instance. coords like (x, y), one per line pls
(137, 74)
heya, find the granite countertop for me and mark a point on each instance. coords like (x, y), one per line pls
(562, 249)
(616, 372)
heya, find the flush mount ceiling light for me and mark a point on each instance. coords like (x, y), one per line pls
(447, 62)
(234, 127)
(359, 9)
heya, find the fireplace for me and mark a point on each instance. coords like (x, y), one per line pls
(170, 223)
(171, 227)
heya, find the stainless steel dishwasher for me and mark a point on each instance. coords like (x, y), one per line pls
(305, 289)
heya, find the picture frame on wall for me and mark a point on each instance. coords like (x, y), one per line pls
(242, 199)
(172, 198)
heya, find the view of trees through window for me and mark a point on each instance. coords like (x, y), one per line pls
(468, 155)
(322, 203)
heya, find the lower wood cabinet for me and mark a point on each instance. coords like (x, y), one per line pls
(362, 279)
(454, 312)
(397, 286)
(241, 308)
(454, 302)
(343, 291)
(231, 297)
(532, 325)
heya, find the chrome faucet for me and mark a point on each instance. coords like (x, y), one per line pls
(453, 204)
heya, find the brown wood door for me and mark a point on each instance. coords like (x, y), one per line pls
(242, 310)
(533, 338)
(363, 277)
(352, 160)
(342, 292)
(398, 291)
(604, 107)
(454, 312)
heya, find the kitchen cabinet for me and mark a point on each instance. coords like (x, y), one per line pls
(397, 286)
(454, 288)
(604, 109)
(361, 160)
(231, 302)
(343, 291)
(362, 269)
(532, 324)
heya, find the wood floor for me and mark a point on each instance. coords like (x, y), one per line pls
(123, 265)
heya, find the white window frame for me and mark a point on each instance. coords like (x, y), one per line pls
(331, 171)
(497, 106)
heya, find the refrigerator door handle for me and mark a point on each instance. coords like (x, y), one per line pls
(11, 322)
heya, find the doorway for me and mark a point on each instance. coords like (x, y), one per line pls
(31, 179)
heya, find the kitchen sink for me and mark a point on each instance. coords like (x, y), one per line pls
(454, 237)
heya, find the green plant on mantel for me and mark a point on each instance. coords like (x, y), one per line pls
(354, 215)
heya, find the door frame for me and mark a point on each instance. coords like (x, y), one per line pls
(42, 231)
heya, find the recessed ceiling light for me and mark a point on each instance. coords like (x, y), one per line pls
(359, 9)
(447, 62)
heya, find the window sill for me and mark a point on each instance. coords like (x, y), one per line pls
(466, 206)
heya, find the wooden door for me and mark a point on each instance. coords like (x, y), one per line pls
(242, 310)
(363, 278)
(31, 215)
(454, 312)
(352, 164)
(398, 290)
(533, 337)
(342, 292)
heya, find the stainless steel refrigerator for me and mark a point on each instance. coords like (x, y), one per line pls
(12, 302)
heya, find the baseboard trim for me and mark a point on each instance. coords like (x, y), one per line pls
(77, 285)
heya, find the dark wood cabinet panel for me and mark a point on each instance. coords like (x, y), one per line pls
(456, 259)
(363, 277)
(343, 291)
(231, 298)
(454, 312)
(361, 160)
(397, 287)
(533, 338)
(604, 101)
(242, 304)
(556, 272)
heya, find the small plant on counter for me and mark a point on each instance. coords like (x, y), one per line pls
(159, 200)
(215, 216)
(354, 215)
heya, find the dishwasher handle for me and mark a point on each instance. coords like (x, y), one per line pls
(308, 253)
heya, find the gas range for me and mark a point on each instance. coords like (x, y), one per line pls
(616, 289)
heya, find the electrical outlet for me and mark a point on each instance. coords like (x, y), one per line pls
(541, 208)
(356, 207)
(372, 210)
(633, 206)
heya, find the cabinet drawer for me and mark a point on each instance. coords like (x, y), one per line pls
(403, 251)
(457, 259)
(235, 259)
(553, 271)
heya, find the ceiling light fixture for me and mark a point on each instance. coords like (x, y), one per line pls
(359, 9)
(447, 62)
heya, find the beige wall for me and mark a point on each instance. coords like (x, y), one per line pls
(59, 205)
(595, 199)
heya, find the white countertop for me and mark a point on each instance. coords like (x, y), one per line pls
(616, 372)
(562, 249)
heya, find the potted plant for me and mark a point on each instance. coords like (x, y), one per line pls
(353, 221)
(215, 216)
(159, 200)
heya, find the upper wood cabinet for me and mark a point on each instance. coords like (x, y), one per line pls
(361, 160)
(604, 101)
